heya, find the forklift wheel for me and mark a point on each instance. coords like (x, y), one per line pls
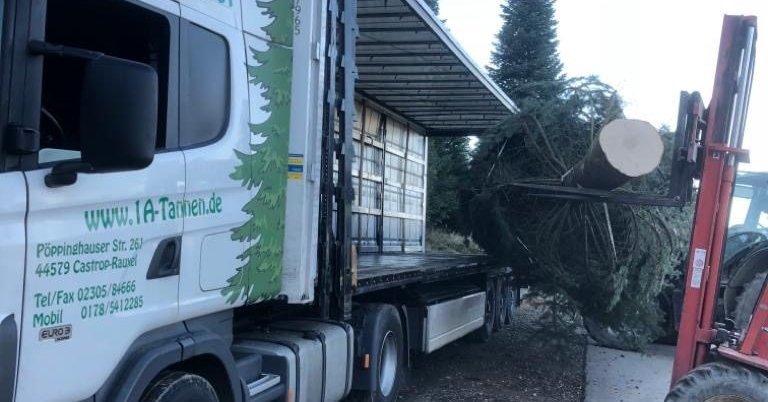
(720, 382)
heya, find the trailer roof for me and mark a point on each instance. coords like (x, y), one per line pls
(408, 62)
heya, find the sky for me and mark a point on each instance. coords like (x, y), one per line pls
(649, 50)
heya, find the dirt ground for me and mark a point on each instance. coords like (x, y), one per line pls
(507, 368)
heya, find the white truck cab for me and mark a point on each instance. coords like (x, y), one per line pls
(163, 235)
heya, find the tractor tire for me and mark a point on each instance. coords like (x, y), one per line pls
(720, 382)
(667, 302)
(745, 303)
(607, 336)
(178, 386)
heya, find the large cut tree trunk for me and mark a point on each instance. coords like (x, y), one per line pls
(624, 149)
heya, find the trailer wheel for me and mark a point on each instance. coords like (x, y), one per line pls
(512, 301)
(382, 340)
(483, 334)
(504, 290)
(720, 382)
(178, 386)
(508, 302)
(501, 300)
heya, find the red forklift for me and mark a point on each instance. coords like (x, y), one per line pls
(722, 347)
(722, 344)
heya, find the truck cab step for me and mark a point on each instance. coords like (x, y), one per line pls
(266, 388)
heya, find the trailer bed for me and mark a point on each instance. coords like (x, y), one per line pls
(382, 271)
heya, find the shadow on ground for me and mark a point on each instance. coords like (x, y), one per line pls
(507, 368)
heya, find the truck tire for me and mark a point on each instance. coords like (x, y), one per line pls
(720, 382)
(382, 339)
(511, 304)
(745, 303)
(178, 386)
(501, 303)
(483, 334)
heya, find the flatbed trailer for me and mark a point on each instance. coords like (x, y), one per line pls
(384, 271)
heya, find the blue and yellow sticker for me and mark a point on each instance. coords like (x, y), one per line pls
(295, 166)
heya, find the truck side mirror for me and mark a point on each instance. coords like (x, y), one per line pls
(118, 119)
(118, 114)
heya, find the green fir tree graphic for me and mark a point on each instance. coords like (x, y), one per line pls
(265, 167)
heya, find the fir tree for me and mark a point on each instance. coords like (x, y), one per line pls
(526, 63)
(448, 178)
(434, 5)
(265, 167)
(606, 261)
(447, 175)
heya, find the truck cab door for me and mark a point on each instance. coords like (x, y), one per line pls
(14, 26)
(102, 258)
(12, 211)
(213, 131)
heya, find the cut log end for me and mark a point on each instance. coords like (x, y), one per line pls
(633, 147)
(625, 149)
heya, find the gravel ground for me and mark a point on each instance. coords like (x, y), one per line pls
(507, 368)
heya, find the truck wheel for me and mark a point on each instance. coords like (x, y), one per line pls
(382, 338)
(720, 382)
(512, 296)
(178, 386)
(501, 303)
(746, 302)
(483, 334)
(507, 302)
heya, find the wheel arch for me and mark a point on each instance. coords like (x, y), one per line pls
(213, 369)
(173, 347)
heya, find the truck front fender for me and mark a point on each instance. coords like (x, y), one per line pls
(149, 355)
(165, 348)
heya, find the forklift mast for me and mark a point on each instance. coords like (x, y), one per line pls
(716, 135)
